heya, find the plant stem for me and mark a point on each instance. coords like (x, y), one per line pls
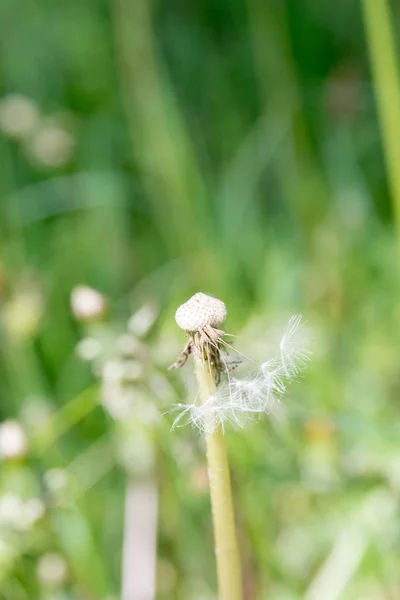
(140, 540)
(226, 545)
(385, 71)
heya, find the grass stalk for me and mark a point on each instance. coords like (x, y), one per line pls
(226, 545)
(140, 541)
(385, 71)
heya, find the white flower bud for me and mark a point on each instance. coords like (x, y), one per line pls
(87, 304)
(52, 570)
(88, 349)
(19, 115)
(200, 310)
(51, 145)
(13, 440)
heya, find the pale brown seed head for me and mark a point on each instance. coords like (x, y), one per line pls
(200, 310)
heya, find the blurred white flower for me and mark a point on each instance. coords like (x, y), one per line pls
(145, 410)
(118, 400)
(128, 345)
(13, 440)
(52, 145)
(19, 514)
(133, 370)
(238, 399)
(56, 479)
(113, 370)
(52, 570)
(87, 303)
(88, 349)
(11, 508)
(33, 510)
(162, 388)
(22, 313)
(61, 485)
(136, 452)
(19, 115)
(117, 392)
(36, 413)
(142, 320)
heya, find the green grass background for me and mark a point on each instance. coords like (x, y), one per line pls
(225, 147)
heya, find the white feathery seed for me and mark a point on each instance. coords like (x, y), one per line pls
(239, 399)
(293, 358)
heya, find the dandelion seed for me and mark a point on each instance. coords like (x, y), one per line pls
(236, 399)
(294, 359)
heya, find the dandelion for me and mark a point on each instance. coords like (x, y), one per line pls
(224, 398)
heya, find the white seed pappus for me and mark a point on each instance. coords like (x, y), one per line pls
(239, 399)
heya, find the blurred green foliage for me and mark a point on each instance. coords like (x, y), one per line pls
(151, 151)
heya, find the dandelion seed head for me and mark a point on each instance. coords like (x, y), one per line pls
(200, 310)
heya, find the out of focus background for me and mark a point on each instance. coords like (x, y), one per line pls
(149, 151)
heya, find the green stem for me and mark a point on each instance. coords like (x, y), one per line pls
(385, 71)
(226, 545)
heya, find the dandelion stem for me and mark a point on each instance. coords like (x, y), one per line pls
(226, 545)
(385, 71)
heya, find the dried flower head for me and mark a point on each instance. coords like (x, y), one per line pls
(200, 311)
(236, 398)
(200, 317)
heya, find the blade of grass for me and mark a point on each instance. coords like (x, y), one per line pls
(380, 37)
